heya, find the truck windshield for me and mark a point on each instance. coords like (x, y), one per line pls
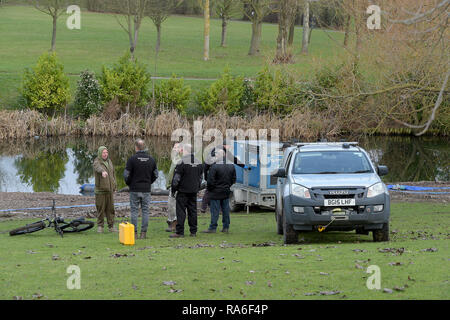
(331, 162)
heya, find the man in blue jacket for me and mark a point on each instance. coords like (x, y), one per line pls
(140, 172)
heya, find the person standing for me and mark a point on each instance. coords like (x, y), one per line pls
(186, 183)
(139, 174)
(105, 186)
(209, 161)
(221, 177)
(177, 154)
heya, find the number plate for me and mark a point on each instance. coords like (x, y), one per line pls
(339, 202)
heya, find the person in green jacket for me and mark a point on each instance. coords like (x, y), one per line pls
(105, 186)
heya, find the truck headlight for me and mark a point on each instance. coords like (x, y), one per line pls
(376, 190)
(300, 191)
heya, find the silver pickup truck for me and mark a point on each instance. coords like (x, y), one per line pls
(330, 187)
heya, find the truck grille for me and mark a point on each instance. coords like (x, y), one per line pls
(338, 193)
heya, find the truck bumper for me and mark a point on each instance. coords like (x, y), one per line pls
(308, 214)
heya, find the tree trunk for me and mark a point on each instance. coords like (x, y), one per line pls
(291, 33)
(305, 40)
(358, 28)
(207, 25)
(256, 38)
(347, 30)
(224, 32)
(158, 37)
(55, 19)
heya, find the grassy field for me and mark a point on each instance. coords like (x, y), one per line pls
(249, 263)
(26, 34)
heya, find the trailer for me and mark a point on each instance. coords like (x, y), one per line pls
(254, 184)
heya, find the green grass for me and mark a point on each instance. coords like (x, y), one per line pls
(229, 266)
(26, 34)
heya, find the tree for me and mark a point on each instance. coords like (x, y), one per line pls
(256, 10)
(133, 12)
(429, 24)
(158, 11)
(287, 11)
(46, 87)
(224, 10)
(305, 39)
(207, 15)
(54, 8)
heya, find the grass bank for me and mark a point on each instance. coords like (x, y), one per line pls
(249, 263)
(101, 41)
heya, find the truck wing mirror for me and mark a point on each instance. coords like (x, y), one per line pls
(279, 173)
(382, 170)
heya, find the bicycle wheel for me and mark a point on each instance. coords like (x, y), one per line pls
(29, 228)
(77, 226)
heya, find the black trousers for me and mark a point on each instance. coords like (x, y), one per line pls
(186, 202)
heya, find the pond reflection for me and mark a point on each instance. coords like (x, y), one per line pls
(61, 165)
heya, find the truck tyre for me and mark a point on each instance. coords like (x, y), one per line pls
(382, 234)
(278, 220)
(289, 234)
(279, 223)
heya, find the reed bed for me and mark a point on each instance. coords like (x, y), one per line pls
(304, 125)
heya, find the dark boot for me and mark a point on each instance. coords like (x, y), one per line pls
(172, 226)
(176, 235)
(209, 231)
(143, 235)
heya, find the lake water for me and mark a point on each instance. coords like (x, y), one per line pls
(62, 165)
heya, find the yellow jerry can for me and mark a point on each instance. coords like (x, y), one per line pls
(126, 233)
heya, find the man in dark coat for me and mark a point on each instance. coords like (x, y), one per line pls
(186, 183)
(140, 172)
(221, 177)
(209, 161)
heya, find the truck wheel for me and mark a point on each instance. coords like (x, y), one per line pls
(279, 223)
(289, 234)
(382, 234)
(278, 220)
(234, 207)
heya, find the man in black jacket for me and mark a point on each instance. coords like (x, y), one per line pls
(140, 172)
(209, 161)
(186, 183)
(221, 177)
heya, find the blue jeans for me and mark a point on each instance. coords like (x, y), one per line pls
(142, 199)
(216, 206)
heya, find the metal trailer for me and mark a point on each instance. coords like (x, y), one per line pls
(254, 184)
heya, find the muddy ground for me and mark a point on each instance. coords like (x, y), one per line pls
(19, 201)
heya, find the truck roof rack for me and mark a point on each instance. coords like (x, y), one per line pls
(301, 144)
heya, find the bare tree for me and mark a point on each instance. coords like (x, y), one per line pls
(256, 10)
(205, 5)
(287, 10)
(408, 60)
(207, 15)
(158, 11)
(54, 8)
(305, 39)
(225, 9)
(425, 29)
(132, 12)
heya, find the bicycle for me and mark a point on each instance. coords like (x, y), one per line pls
(58, 223)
